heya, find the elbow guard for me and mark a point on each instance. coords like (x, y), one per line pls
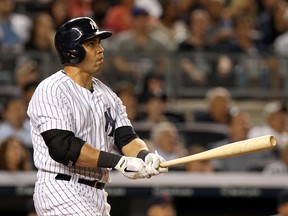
(63, 146)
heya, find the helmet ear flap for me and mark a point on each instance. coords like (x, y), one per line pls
(75, 56)
(68, 46)
(72, 54)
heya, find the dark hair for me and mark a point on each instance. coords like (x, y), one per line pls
(24, 165)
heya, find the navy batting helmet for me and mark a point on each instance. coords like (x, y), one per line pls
(71, 34)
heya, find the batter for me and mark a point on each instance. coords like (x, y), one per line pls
(77, 122)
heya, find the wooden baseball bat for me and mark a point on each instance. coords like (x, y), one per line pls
(228, 150)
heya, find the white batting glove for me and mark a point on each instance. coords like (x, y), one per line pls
(153, 164)
(132, 168)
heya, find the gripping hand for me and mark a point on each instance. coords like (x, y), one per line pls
(153, 164)
(132, 168)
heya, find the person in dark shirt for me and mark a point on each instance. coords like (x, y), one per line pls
(194, 64)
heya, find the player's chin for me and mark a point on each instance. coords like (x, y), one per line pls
(97, 69)
(98, 66)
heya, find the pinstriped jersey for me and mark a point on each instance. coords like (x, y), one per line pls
(60, 103)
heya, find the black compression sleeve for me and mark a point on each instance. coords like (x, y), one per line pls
(124, 135)
(108, 160)
(63, 146)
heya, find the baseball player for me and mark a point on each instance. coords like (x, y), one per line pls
(76, 122)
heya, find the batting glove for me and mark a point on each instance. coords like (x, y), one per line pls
(153, 164)
(132, 168)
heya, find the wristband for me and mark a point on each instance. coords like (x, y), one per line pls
(108, 160)
(142, 154)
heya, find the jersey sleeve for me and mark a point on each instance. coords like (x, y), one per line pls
(49, 109)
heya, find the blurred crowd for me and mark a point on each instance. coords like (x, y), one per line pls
(245, 36)
(248, 38)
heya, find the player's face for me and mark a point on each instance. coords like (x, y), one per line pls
(94, 58)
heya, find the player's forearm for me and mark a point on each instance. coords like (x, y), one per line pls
(134, 147)
(88, 156)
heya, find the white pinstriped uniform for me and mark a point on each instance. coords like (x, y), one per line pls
(60, 103)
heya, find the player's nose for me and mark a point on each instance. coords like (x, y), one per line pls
(100, 49)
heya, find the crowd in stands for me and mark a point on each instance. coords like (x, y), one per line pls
(227, 28)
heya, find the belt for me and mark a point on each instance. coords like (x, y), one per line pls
(92, 183)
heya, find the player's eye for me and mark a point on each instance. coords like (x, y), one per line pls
(92, 44)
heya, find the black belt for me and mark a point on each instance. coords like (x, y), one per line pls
(92, 183)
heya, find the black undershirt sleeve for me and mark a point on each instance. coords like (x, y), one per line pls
(63, 146)
(123, 136)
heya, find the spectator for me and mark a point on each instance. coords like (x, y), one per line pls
(170, 25)
(280, 44)
(203, 166)
(279, 22)
(77, 8)
(58, 9)
(118, 17)
(165, 139)
(219, 102)
(153, 6)
(157, 106)
(265, 22)
(244, 38)
(42, 34)
(154, 109)
(14, 28)
(279, 166)
(154, 84)
(195, 69)
(282, 203)
(15, 121)
(14, 156)
(220, 31)
(245, 42)
(27, 70)
(138, 41)
(162, 205)
(99, 11)
(186, 7)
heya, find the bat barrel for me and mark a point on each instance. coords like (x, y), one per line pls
(230, 150)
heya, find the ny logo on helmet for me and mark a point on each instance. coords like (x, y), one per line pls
(93, 25)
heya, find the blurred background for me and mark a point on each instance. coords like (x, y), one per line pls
(193, 75)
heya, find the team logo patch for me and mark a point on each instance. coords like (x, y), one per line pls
(109, 122)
